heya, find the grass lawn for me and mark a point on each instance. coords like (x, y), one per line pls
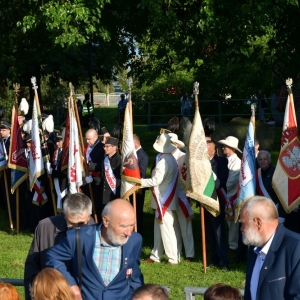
(14, 248)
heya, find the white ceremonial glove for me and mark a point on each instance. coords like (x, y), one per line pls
(215, 176)
(89, 179)
(48, 168)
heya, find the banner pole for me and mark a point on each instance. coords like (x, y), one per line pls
(196, 91)
(203, 238)
(17, 210)
(33, 81)
(7, 200)
(131, 120)
(74, 105)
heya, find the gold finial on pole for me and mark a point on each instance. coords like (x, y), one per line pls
(16, 87)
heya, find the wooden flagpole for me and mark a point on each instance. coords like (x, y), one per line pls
(196, 92)
(17, 209)
(35, 87)
(7, 200)
(86, 169)
(129, 82)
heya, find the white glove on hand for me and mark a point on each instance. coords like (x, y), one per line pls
(48, 168)
(89, 179)
(215, 176)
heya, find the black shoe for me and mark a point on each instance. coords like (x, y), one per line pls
(210, 266)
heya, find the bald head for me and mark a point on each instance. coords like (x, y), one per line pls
(91, 137)
(118, 221)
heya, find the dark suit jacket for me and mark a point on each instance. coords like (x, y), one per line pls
(49, 232)
(7, 145)
(219, 167)
(143, 161)
(93, 287)
(280, 274)
(60, 175)
(97, 156)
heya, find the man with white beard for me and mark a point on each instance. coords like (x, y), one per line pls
(110, 256)
(273, 269)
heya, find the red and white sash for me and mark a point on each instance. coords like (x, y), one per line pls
(164, 201)
(110, 177)
(260, 188)
(184, 203)
(229, 203)
(38, 198)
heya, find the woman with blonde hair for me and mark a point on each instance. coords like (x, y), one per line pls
(49, 284)
(8, 292)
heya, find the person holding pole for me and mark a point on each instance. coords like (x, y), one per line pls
(140, 195)
(164, 200)
(94, 154)
(111, 172)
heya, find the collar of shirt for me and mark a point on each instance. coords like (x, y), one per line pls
(138, 148)
(262, 252)
(231, 157)
(92, 147)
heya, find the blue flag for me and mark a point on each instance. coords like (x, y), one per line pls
(247, 183)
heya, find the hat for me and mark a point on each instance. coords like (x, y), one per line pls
(112, 141)
(175, 140)
(4, 125)
(103, 130)
(163, 144)
(231, 142)
(58, 137)
(23, 108)
(27, 138)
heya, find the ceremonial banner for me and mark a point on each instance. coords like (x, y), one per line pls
(66, 145)
(196, 174)
(3, 162)
(17, 160)
(36, 162)
(247, 182)
(286, 178)
(38, 197)
(130, 168)
(75, 170)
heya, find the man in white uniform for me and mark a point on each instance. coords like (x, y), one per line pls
(164, 200)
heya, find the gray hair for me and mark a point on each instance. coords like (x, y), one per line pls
(265, 152)
(77, 204)
(262, 207)
(107, 210)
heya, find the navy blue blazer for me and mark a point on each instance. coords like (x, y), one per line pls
(93, 287)
(280, 274)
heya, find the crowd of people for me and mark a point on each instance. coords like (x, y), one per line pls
(86, 254)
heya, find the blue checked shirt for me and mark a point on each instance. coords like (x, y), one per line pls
(107, 259)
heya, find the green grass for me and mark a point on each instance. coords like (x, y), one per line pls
(14, 248)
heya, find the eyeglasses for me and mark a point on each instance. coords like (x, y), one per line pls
(107, 146)
(71, 225)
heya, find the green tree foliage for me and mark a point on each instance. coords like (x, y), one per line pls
(232, 46)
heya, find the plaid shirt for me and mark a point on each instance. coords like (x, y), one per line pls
(107, 259)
